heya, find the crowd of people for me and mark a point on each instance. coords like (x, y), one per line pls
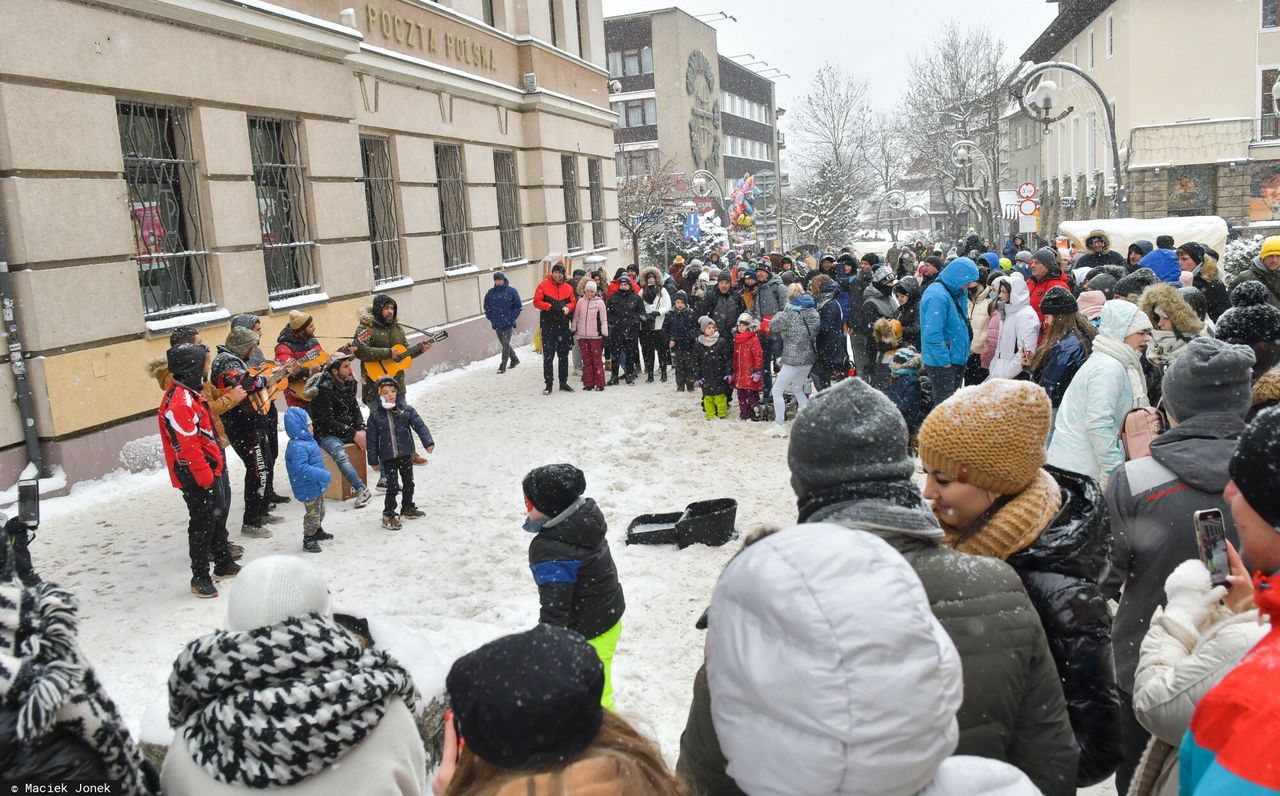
(994, 450)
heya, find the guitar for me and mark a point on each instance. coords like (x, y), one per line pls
(400, 361)
(304, 363)
(277, 376)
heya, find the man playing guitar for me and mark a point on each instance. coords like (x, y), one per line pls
(297, 341)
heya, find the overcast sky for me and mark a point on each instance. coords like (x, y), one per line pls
(875, 38)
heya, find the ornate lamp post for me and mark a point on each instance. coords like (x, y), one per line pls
(963, 154)
(897, 200)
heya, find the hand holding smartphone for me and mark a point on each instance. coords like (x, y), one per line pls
(1211, 536)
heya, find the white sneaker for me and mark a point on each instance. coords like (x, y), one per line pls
(363, 498)
(776, 430)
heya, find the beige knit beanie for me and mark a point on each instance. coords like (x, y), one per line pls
(298, 319)
(991, 435)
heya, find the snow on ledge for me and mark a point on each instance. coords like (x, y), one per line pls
(298, 301)
(461, 270)
(394, 284)
(193, 319)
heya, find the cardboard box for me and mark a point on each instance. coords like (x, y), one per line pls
(339, 489)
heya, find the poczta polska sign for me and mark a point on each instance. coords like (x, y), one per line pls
(413, 35)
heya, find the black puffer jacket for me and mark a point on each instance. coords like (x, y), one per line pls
(573, 568)
(909, 312)
(626, 315)
(335, 411)
(831, 349)
(1063, 571)
(57, 755)
(715, 361)
(723, 308)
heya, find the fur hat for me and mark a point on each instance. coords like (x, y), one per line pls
(298, 320)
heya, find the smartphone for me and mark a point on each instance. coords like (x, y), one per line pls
(1211, 534)
(29, 503)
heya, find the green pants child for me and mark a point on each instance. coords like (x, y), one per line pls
(605, 644)
(715, 406)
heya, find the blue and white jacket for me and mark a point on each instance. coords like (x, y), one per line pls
(573, 568)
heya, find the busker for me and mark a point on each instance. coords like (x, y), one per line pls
(569, 556)
(338, 421)
(195, 462)
(502, 307)
(271, 423)
(390, 432)
(378, 332)
(984, 459)
(555, 300)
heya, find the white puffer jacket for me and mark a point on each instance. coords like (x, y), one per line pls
(829, 674)
(1019, 330)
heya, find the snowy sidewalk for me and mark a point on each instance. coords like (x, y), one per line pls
(459, 577)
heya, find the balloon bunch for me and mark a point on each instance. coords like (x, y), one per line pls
(742, 211)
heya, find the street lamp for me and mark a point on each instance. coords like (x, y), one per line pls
(963, 155)
(1040, 100)
(897, 200)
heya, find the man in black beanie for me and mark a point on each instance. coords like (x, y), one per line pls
(571, 563)
(850, 466)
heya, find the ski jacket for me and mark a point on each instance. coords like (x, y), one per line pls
(577, 581)
(335, 411)
(830, 344)
(219, 401)
(715, 362)
(1019, 331)
(1259, 273)
(625, 315)
(191, 450)
(748, 360)
(551, 299)
(1060, 367)
(771, 297)
(1230, 746)
(374, 339)
(723, 308)
(389, 434)
(797, 326)
(1164, 262)
(307, 473)
(944, 313)
(1039, 287)
(1151, 502)
(591, 318)
(682, 329)
(502, 305)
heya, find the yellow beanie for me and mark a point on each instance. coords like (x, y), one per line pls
(298, 319)
(991, 435)
(1270, 246)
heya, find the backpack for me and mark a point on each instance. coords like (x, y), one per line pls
(1141, 426)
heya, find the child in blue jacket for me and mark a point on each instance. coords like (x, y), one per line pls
(389, 440)
(307, 476)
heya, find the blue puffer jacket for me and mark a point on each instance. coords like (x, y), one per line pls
(1060, 367)
(307, 474)
(1165, 263)
(389, 432)
(944, 312)
(502, 304)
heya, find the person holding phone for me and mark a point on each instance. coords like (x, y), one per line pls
(1152, 501)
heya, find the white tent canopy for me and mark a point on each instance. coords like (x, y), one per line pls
(1210, 231)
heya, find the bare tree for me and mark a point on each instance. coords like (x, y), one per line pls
(829, 120)
(643, 200)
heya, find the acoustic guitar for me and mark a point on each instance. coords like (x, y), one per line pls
(314, 356)
(277, 377)
(400, 361)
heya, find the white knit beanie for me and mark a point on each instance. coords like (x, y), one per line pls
(271, 589)
(590, 287)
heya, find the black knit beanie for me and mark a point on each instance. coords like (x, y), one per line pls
(1255, 467)
(1059, 301)
(552, 488)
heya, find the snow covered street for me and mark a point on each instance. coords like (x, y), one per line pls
(459, 577)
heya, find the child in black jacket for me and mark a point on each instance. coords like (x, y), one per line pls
(715, 370)
(389, 439)
(571, 563)
(681, 326)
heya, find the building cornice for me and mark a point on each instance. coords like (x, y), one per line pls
(1065, 27)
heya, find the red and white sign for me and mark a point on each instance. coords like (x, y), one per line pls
(1028, 207)
(1027, 190)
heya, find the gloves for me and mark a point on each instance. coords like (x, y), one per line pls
(1191, 601)
(698, 383)
(756, 378)
(653, 316)
(728, 379)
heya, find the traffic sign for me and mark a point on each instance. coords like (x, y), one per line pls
(1027, 190)
(1028, 207)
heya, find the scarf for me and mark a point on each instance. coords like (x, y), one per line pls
(903, 494)
(709, 341)
(1122, 353)
(44, 676)
(1010, 525)
(274, 705)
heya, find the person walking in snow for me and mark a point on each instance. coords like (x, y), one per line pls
(797, 328)
(502, 308)
(307, 476)
(572, 567)
(389, 437)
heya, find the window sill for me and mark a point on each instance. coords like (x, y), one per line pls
(461, 270)
(191, 319)
(301, 300)
(398, 283)
(516, 263)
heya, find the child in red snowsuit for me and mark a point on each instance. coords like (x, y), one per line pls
(748, 362)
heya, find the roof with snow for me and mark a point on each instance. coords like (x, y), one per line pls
(1073, 17)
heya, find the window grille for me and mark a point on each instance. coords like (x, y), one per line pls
(596, 186)
(453, 206)
(164, 209)
(380, 202)
(282, 211)
(488, 12)
(504, 166)
(572, 219)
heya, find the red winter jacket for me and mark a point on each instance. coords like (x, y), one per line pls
(748, 358)
(550, 299)
(1039, 287)
(186, 430)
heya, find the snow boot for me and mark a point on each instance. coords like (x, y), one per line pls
(234, 551)
(311, 544)
(322, 535)
(649, 378)
(612, 382)
(663, 378)
(224, 570)
(679, 388)
(271, 519)
(564, 387)
(255, 531)
(502, 368)
(391, 522)
(412, 513)
(364, 497)
(419, 460)
(514, 362)
(547, 390)
(276, 500)
(202, 586)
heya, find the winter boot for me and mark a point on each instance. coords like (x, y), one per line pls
(391, 522)
(649, 378)
(612, 382)
(679, 387)
(564, 387)
(419, 460)
(514, 362)
(255, 531)
(202, 586)
(547, 390)
(364, 497)
(412, 513)
(663, 378)
(599, 389)
(276, 500)
(234, 551)
(381, 486)
(311, 544)
(224, 570)
(321, 535)
(502, 368)
(271, 519)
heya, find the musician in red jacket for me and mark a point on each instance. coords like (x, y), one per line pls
(195, 461)
(555, 299)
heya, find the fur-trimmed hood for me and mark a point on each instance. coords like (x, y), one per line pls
(1171, 305)
(650, 271)
(1097, 233)
(1266, 390)
(158, 369)
(1209, 269)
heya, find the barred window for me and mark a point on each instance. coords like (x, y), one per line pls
(453, 206)
(572, 219)
(596, 186)
(282, 211)
(504, 166)
(380, 202)
(164, 210)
